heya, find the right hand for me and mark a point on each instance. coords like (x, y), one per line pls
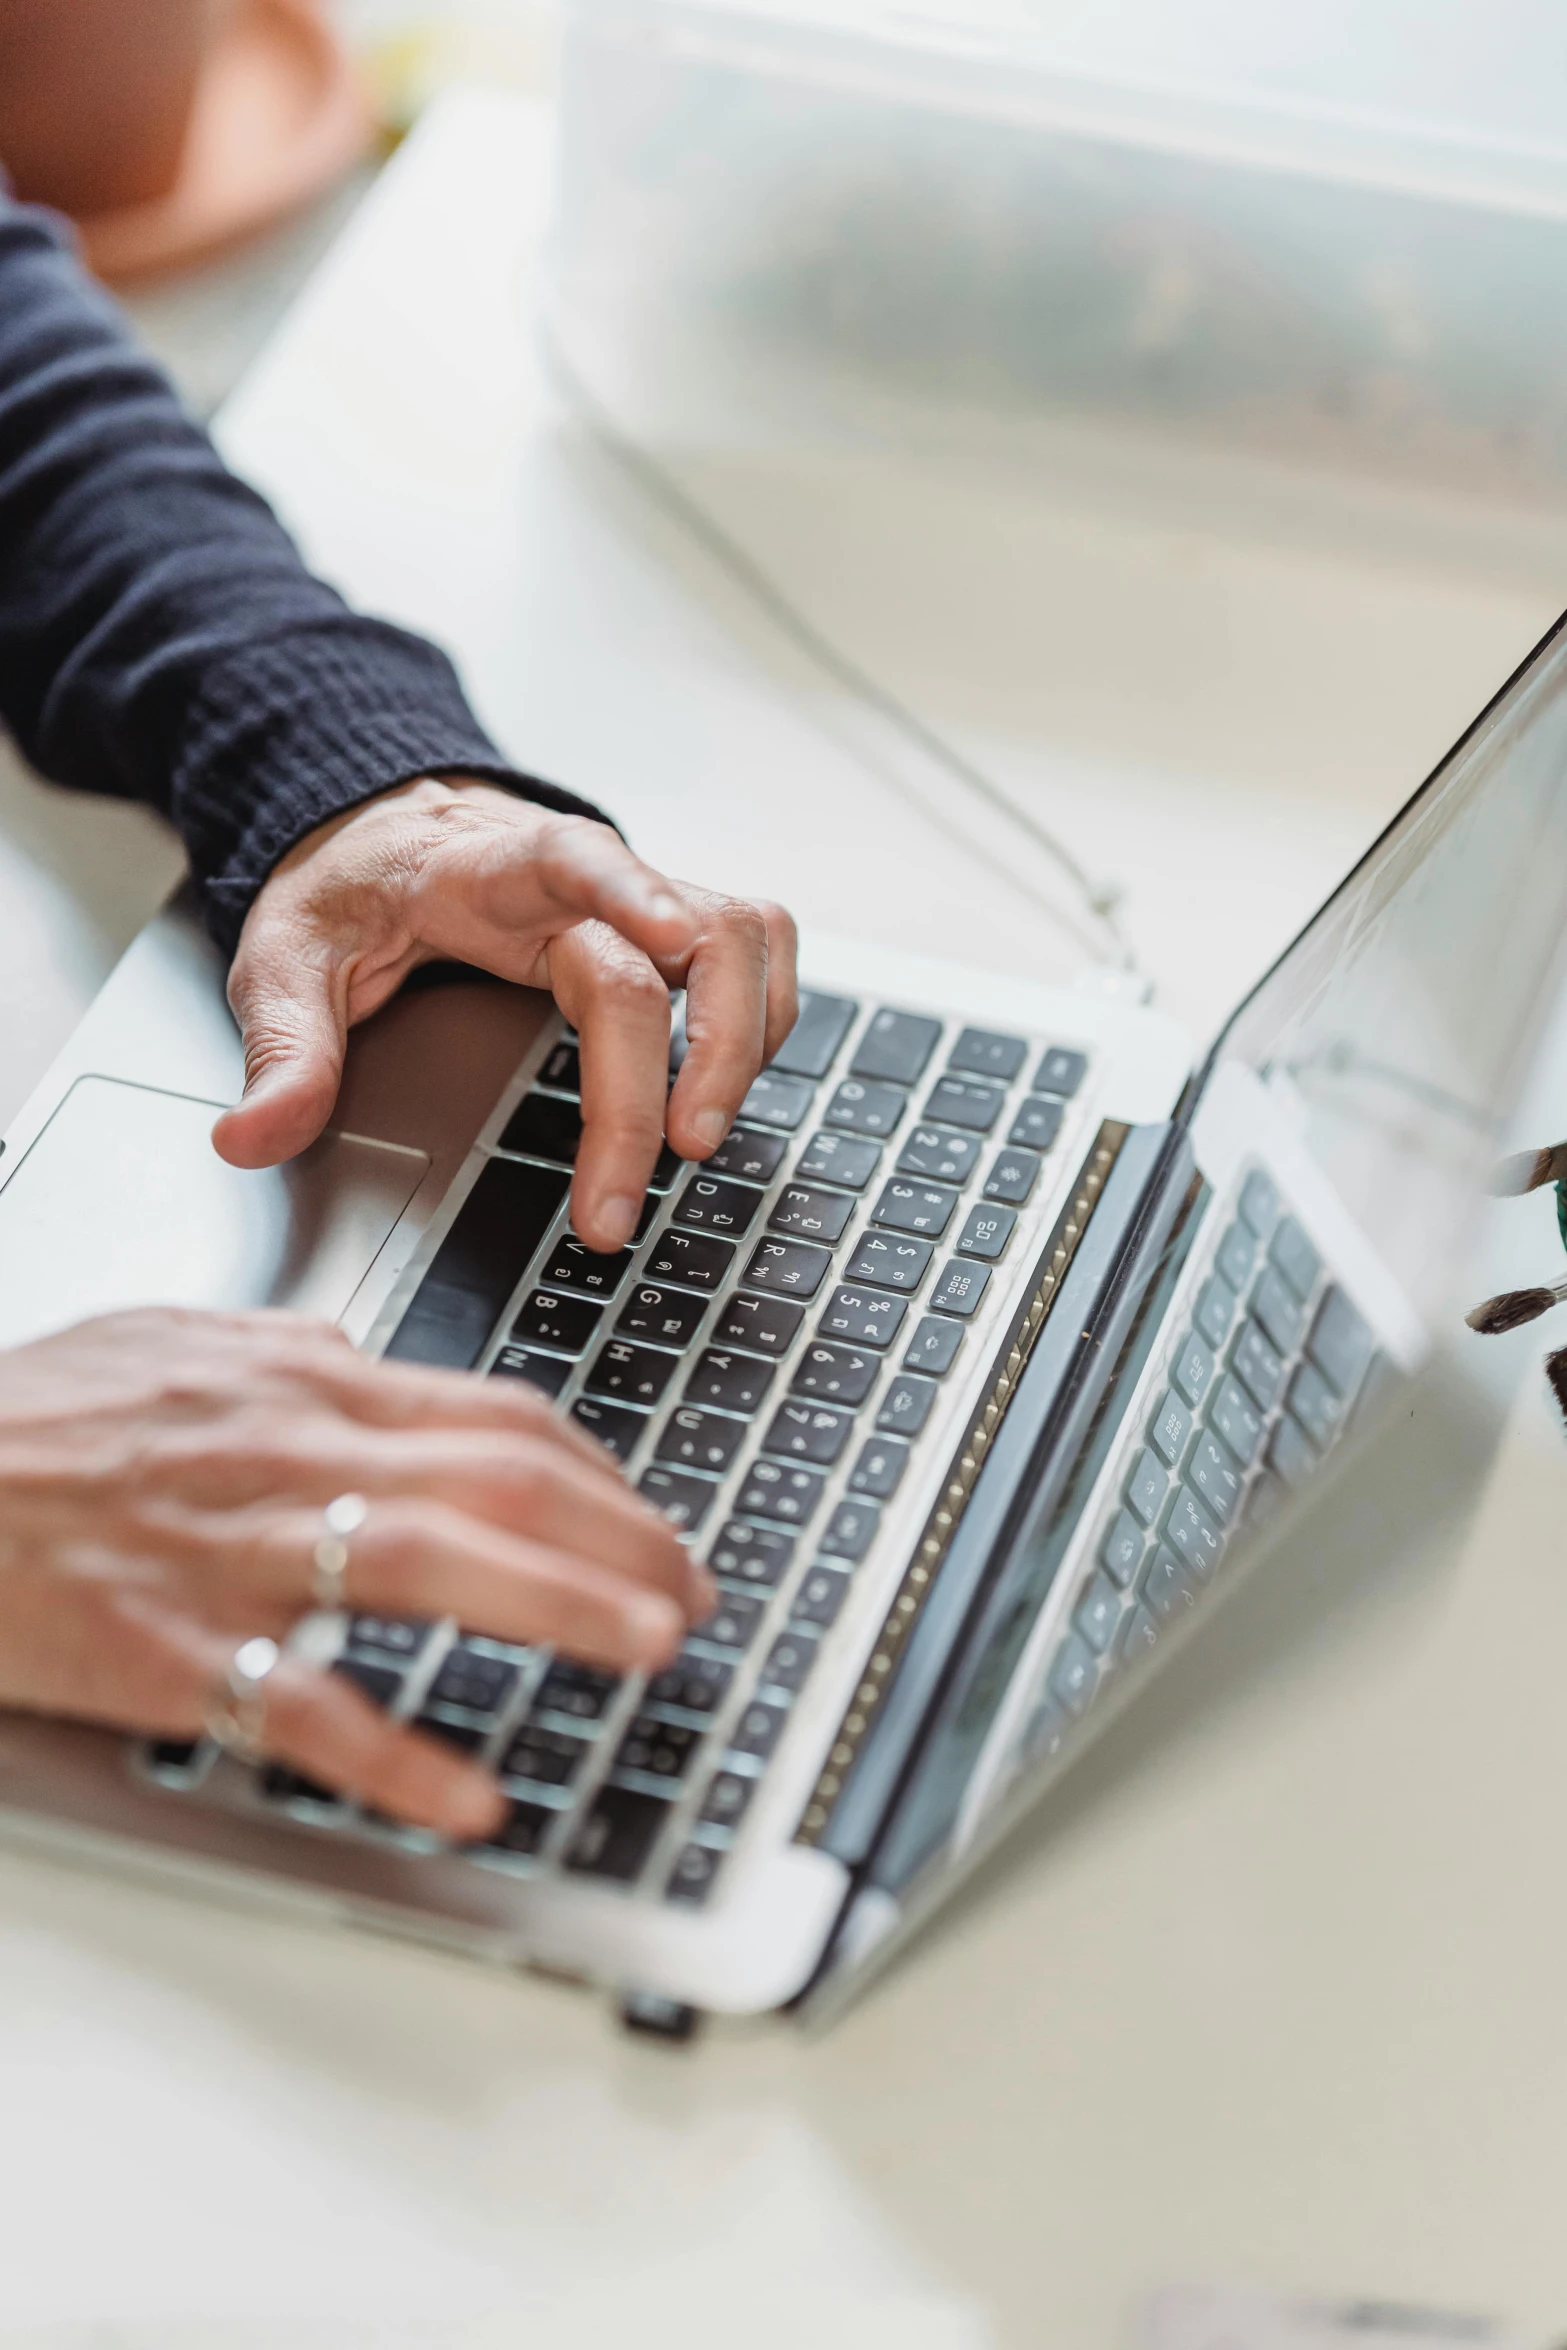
(162, 1481)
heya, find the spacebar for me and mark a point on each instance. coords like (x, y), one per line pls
(478, 1265)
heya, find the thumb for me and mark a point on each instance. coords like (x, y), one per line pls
(294, 1033)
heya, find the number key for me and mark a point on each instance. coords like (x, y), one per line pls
(934, 1151)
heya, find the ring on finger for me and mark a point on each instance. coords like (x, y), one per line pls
(236, 1717)
(329, 1559)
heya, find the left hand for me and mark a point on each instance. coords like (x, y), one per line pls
(469, 873)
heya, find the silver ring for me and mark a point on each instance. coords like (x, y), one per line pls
(329, 1559)
(236, 1718)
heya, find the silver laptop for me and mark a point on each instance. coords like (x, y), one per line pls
(975, 1363)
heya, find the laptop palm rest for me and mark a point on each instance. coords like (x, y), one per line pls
(122, 1201)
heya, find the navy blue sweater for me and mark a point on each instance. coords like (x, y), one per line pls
(160, 638)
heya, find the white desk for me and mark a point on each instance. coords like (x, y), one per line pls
(1274, 1989)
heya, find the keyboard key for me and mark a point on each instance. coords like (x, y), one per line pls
(1340, 1344)
(709, 1204)
(1314, 1404)
(1259, 1203)
(838, 1158)
(748, 1154)
(758, 1730)
(636, 1374)
(820, 1597)
(789, 1661)
(1098, 1612)
(546, 1372)
(986, 1232)
(1013, 1176)
(865, 1317)
(879, 1470)
(808, 1432)
(1060, 1072)
(694, 1874)
(1216, 1302)
(1214, 1475)
(1037, 1123)
(777, 1101)
(1237, 1251)
(815, 1215)
(571, 1264)
(568, 1324)
(981, 1053)
(725, 1802)
(1146, 1487)
(960, 1289)
(1280, 1312)
(562, 1068)
(402, 1636)
(664, 1317)
(1256, 1365)
(694, 1439)
(859, 1108)
(548, 1757)
(581, 1691)
(666, 1168)
(772, 1490)
(851, 1530)
(1265, 1500)
(1168, 1586)
(759, 1325)
(1290, 1453)
(933, 1348)
(693, 1260)
(795, 1267)
(914, 1207)
(1294, 1256)
(1122, 1549)
(811, 1046)
(522, 1831)
(1139, 1636)
(839, 1374)
(729, 1382)
(935, 1152)
(1170, 1427)
(380, 1683)
(733, 1622)
(906, 1406)
(752, 1554)
(1074, 1673)
(618, 1834)
(896, 1045)
(1193, 1372)
(684, 1500)
(542, 1128)
(963, 1101)
(658, 1749)
(891, 1260)
(612, 1424)
(471, 1678)
(1237, 1420)
(1190, 1531)
(478, 1265)
(464, 1738)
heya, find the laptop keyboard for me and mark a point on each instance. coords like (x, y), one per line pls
(763, 1359)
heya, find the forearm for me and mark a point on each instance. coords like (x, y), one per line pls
(160, 638)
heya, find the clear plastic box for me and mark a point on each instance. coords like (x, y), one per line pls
(784, 223)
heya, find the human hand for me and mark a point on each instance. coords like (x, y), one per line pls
(162, 1482)
(469, 872)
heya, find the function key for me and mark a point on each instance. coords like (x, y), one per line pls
(816, 1215)
(1256, 1365)
(837, 1374)
(896, 1045)
(963, 1101)
(1037, 1123)
(1215, 1309)
(808, 1432)
(697, 1439)
(1340, 1343)
(933, 1347)
(611, 1423)
(758, 1730)
(548, 1373)
(1013, 1176)
(1259, 1203)
(796, 1267)
(709, 1204)
(864, 1317)
(1060, 1072)
(851, 1530)
(581, 1691)
(543, 1128)
(748, 1154)
(1235, 1254)
(890, 1259)
(866, 1109)
(759, 1325)
(562, 1068)
(752, 1554)
(934, 1151)
(548, 1757)
(983, 1054)
(986, 1232)
(729, 1382)
(960, 1288)
(694, 1874)
(789, 1661)
(568, 1324)
(1295, 1258)
(811, 1046)
(906, 1406)
(664, 1316)
(618, 1834)
(733, 1622)
(915, 1207)
(684, 1500)
(695, 1260)
(777, 1101)
(879, 1470)
(1279, 1311)
(773, 1490)
(571, 1264)
(727, 1799)
(635, 1374)
(820, 1596)
(847, 1159)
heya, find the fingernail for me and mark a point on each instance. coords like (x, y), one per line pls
(616, 1218)
(656, 1628)
(709, 1126)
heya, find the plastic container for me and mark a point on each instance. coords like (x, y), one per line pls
(779, 223)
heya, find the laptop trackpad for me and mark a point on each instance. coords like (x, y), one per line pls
(122, 1201)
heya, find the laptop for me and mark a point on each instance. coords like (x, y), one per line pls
(999, 1335)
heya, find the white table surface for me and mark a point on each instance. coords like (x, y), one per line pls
(1273, 1989)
